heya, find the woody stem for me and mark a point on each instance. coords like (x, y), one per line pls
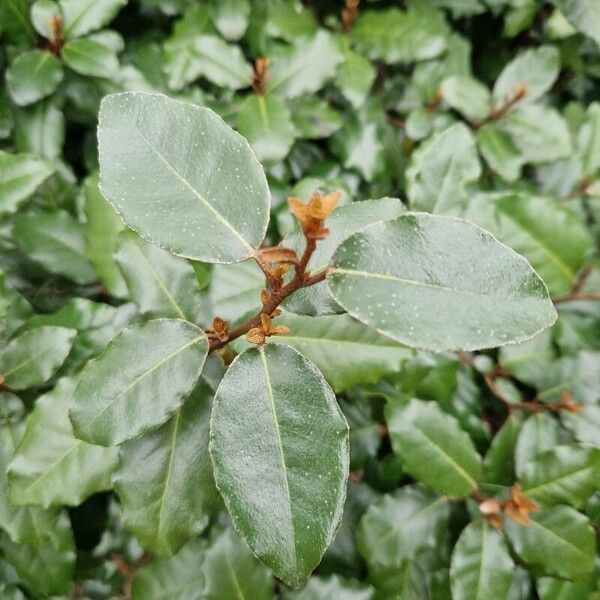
(301, 279)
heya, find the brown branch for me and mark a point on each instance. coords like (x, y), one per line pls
(501, 109)
(349, 14)
(573, 296)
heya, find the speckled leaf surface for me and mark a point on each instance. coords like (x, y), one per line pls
(118, 398)
(181, 177)
(279, 446)
(439, 283)
(344, 221)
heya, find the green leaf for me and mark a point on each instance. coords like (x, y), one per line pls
(14, 20)
(355, 77)
(499, 462)
(500, 152)
(177, 578)
(314, 118)
(400, 525)
(57, 242)
(88, 57)
(481, 565)
(481, 295)
(345, 221)
(266, 122)
(197, 192)
(20, 176)
(35, 356)
(232, 571)
(235, 289)
(51, 466)
(305, 66)
(562, 475)
(138, 381)
(279, 445)
(83, 16)
(40, 129)
(433, 448)
(344, 350)
(32, 76)
(14, 309)
(582, 14)
(550, 588)
(96, 323)
(538, 433)
(333, 586)
(441, 169)
(548, 234)
(230, 17)
(468, 96)
(181, 62)
(47, 568)
(537, 69)
(222, 63)
(43, 13)
(540, 133)
(101, 229)
(165, 481)
(162, 285)
(558, 541)
(395, 36)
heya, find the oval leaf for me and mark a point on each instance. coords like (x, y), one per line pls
(481, 566)
(139, 380)
(181, 177)
(279, 445)
(433, 448)
(34, 356)
(440, 284)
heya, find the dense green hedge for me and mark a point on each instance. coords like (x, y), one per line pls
(474, 475)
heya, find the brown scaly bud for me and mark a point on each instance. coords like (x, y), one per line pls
(491, 509)
(219, 329)
(257, 335)
(312, 214)
(519, 507)
(349, 14)
(261, 76)
(264, 298)
(565, 402)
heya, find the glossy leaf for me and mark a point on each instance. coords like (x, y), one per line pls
(344, 350)
(395, 36)
(481, 295)
(551, 237)
(101, 230)
(118, 398)
(535, 69)
(162, 285)
(481, 564)
(57, 242)
(583, 14)
(230, 17)
(232, 571)
(40, 129)
(499, 462)
(333, 586)
(440, 171)
(279, 446)
(401, 525)
(563, 475)
(500, 152)
(433, 448)
(558, 541)
(51, 466)
(345, 221)
(467, 96)
(355, 77)
(202, 195)
(165, 481)
(222, 63)
(20, 176)
(177, 578)
(35, 356)
(88, 57)
(83, 16)
(304, 67)
(32, 76)
(265, 121)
